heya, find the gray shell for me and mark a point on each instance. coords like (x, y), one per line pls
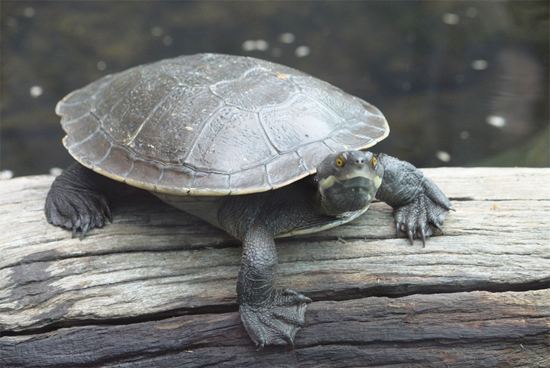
(211, 124)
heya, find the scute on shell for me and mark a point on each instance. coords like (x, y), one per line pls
(211, 124)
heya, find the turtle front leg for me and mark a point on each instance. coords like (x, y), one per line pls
(418, 203)
(271, 316)
(76, 202)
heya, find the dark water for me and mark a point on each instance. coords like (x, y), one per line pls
(462, 83)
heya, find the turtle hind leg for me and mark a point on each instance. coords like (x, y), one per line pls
(76, 200)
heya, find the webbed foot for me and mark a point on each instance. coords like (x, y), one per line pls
(427, 210)
(74, 205)
(276, 322)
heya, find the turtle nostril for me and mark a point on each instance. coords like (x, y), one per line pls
(360, 161)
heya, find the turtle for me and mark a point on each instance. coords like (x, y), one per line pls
(255, 148)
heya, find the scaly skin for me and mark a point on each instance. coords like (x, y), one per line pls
(271, 316)
(417, 202)
(77, 201)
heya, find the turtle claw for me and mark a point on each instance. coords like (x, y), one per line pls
(289, 340)
(410, 235)
(416, 218)
(277, 322)
(437, 226)
(77, 211)
(290, 296)
(418, 203)
(397, 228)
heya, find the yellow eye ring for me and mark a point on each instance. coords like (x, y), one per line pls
(373, 161)
(340, 162)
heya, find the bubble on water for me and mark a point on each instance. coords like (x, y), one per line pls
(451, 19)
(6, 174)
(496, 121)
(464, 134)
(262, 45)
(56, 171)
(249, 45)
(101, 65)
(167, 40)
(287, 37)
(302, 51)
(471, 12)
(157, 31)
(28, 12)
(36, 91)
(443, 156)
(276, 51)
(479, 64)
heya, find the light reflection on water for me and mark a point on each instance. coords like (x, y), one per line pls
(461, 83)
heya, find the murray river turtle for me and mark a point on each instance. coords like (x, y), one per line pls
(255, 148)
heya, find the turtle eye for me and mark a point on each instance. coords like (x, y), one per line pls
(340, 161)
(373, 161)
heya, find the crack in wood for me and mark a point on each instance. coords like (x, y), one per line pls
(343, 295)
(418, 328)
(156, 287)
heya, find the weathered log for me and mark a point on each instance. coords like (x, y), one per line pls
(157, 287)
(461, 329)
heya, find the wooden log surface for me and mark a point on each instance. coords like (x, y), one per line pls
(157, 287)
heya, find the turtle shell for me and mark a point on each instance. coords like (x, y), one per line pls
(211, 124)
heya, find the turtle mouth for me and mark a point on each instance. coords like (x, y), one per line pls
(358, 182)
(348, 194)
(358, 186)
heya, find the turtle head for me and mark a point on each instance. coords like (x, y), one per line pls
(348, 181)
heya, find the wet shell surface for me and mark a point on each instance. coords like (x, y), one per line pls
(211, 124)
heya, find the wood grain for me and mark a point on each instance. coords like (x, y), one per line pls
(156, 266)
(474, 329)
